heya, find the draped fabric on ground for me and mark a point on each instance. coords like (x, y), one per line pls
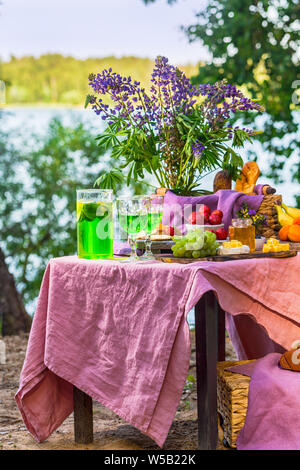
(272, 423)
(119, 333)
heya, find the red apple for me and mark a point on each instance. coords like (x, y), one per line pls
(166, 230)
(195, 219)
(221, 233)
(218, 212)
(204, 211)
(215, 219)
(171, 231)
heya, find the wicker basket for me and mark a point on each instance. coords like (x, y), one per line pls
(232, 392)
(267, 208)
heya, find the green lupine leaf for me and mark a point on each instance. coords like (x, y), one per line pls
(129, 175)
(110, 180)
(87, 101)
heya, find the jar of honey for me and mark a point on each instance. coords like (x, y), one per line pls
(244, 231)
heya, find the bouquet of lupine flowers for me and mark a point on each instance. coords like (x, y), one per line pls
(177, 131)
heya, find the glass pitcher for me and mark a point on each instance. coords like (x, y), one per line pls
(94, 209)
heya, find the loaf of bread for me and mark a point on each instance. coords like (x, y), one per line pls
(291, 359)
(247, 180)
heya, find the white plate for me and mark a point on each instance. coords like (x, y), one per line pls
(190, 227)
(259, 242)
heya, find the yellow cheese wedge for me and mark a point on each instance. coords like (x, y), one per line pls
(232, 244)
(285, 246)
(226, 244)
(275, 248)
(235, 244)
(281, 247)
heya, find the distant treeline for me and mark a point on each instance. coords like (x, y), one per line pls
(53, 78)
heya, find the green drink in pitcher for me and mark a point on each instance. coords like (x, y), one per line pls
(94, 210)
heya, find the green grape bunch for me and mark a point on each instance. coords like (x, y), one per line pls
(195, 244)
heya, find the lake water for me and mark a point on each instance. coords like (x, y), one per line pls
(22, 121)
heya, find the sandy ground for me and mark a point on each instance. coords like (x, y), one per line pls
(110, 431)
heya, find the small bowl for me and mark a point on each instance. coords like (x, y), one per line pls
(259, 242)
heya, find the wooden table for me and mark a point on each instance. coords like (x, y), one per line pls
(210, 348)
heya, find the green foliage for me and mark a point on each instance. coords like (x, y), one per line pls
(37, 207)
(53, 78)
(140, 153)
(110, 180)
(38, 197)
(256, 44)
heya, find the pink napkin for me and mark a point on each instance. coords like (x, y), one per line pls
(273, 415)
(119, 333)
(178, 208)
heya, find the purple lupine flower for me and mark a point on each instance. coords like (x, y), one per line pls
(197, 149)
(251, 212)
(170, 97)
(215, 107)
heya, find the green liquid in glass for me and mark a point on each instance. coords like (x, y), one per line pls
(154, 219)
(133, 224)
(94, 230)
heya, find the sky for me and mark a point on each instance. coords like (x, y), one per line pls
(99, 28)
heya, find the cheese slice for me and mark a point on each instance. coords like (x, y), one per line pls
(238, 250)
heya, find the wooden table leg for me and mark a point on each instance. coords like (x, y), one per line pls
(221, 333)
(209, 324)
(83, 417)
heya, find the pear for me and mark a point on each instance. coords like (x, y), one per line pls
(283, 217)
(291, 211)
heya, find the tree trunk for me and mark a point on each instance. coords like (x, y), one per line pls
(13, 315)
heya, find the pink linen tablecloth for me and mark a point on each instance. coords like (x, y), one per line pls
(119, 333)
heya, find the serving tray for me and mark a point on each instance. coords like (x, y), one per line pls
(167, 244)
(157, 246)
(258, 254)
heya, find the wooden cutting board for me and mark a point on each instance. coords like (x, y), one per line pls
(157, 246)
(257, 254)
(294, 246)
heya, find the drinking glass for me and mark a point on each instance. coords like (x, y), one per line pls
(133, 218)
(94, 209)
(155, 212)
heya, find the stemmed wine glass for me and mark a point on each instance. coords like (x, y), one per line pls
(155, 212)
(133, 218)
